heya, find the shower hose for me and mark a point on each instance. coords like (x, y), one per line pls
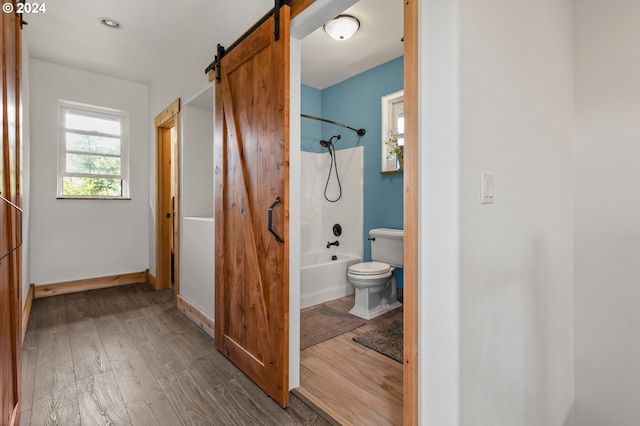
(333, 165)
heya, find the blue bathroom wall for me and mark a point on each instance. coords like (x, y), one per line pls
(356, 102)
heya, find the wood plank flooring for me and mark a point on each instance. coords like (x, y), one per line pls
(126, 356)
(353, 384)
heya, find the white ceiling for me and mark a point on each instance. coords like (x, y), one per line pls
(326, 61)
(69, 33)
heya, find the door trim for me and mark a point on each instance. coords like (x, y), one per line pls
(169, 118)
(410, 303)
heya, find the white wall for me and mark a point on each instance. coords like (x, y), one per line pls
(76, 239)
(516, 271)
(197, 162)
(607, 36)
(196, 205)
(439, 214)
(496, 96)
(295, 215)
(25, 157)
(197, 257)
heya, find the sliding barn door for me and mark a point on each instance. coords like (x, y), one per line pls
(252, 197)
(10, 296)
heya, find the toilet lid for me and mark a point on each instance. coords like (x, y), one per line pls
(370, 268)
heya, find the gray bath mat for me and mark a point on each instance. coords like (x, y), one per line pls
(320, 323)
(386, 339)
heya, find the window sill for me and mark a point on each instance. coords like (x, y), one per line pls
(92, 198)
(388, 172)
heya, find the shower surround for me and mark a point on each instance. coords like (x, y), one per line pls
(321, 278)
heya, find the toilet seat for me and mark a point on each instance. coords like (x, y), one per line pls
(370, 268)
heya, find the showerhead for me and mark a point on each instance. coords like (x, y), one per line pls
(327, 144)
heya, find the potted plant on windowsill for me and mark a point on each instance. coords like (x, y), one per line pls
(396, 151)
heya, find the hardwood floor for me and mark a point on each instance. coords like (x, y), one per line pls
(126, 356)
(353, 384)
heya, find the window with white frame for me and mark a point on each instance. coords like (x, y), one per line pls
(393, 131)
(92, 152)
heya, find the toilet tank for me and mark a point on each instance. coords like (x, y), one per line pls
(388, 246)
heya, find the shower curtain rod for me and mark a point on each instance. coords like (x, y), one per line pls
(360, 132)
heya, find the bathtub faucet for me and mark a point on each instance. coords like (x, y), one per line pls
(335, 243)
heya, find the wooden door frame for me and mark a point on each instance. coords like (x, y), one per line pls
(167, 120)
(411, 212)
(10, 236)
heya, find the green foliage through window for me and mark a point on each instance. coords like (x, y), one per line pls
(93, 187)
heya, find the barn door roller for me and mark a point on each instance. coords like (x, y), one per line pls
(221, 51)
(276, 20)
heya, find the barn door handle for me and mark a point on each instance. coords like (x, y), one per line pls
(270, 220)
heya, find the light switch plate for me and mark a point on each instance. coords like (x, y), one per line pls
(486, 196)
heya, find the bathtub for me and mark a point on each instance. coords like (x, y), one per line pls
(323, 279)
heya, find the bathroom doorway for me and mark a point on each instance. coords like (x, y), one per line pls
(167, 198)
(375, 378)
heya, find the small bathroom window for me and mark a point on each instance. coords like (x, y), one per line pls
(393, 132)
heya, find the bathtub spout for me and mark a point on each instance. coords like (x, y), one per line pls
(335, 243)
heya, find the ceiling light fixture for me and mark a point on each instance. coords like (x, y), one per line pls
(110, 23)
(342, 27)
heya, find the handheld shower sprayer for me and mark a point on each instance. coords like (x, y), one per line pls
(327, 144)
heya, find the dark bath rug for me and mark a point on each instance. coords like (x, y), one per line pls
(319, 323)
(386, 339)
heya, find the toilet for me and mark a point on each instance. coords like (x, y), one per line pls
(375, 282)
